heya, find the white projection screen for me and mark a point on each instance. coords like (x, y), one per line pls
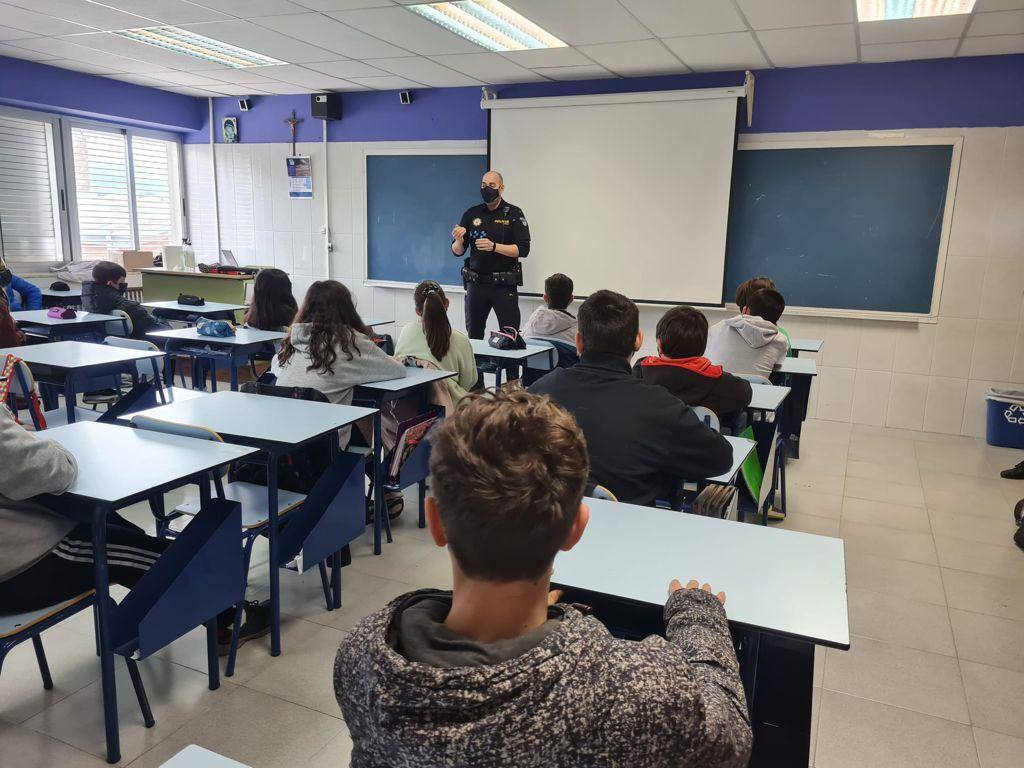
(627, 195)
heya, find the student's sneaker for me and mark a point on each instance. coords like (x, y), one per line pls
(395, 503)
(256, 624)
(1014, 473)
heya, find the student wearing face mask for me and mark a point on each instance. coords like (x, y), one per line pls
(106, 293)
(496, 236)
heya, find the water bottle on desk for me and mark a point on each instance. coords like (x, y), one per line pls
(188, 256)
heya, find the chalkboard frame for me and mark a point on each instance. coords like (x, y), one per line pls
(875, 139)
(409, 148)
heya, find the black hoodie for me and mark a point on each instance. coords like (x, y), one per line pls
(97, 297)
(643, 441)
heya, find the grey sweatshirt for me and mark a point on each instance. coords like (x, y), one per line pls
(368, 364)
(29, 466)
(551, 324)
(746, 344)
(579, 697)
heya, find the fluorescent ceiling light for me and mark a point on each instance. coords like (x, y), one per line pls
(885, 10)
(489, 24)
(197, 46)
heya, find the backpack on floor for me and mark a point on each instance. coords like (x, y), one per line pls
(1018, 517)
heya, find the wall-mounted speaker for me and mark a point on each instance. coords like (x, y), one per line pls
(326, 106)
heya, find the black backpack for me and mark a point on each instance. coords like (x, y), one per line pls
(299, 470)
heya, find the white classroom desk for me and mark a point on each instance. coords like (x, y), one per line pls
(785, 593)
(74, 360)
(741, 448)
(52, 298)
(376, 394)
(276, 425)
(767, 397)
(243, 337)
(171, 395)
(798, 366)
(804, 345)
(784, 582)
(209, 308)
(194, 756)
(81, 323)
(158, 462)
(518, 357)
(245, 342)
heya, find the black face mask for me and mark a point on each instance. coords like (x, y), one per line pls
(5, 277)
(122, 288)
(489, 194)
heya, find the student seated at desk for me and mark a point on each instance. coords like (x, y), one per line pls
(433, 339)
(751, 342)
(748, 288)
(643, 441)
(10, 336)
(681, 368)
(553, 320)
(497, 672)
(331, 350)
(46, 558)
(20, 293)
(273, 305)
(106, 293)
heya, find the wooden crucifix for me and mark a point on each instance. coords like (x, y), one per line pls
(293, 123)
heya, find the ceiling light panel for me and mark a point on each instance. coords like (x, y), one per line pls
(488, 23)
(197, 46)
(885, 10)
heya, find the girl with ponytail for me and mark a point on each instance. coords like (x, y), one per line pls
(433, 339)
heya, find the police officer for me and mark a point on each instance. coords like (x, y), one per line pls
(497, 236)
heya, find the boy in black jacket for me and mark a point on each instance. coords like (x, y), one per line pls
(643, 441)
(106, 293)
(682, 369)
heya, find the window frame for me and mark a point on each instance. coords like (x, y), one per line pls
(126, 132)
(62, 220)
(65, 182)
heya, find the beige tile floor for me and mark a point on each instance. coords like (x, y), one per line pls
(934, 678)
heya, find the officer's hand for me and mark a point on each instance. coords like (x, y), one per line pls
(483, 244)
(458, 233)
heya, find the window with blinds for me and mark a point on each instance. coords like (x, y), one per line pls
(29, 205)
(157, 195)
(102, 195)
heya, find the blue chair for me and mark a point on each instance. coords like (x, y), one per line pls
(16, 628)
(314, 528)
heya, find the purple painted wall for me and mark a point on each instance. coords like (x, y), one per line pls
(968, 92)
(32, 85)
(435, 113)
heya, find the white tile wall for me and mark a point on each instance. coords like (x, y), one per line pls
(911, 376)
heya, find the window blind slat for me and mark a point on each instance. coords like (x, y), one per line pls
(28, 195)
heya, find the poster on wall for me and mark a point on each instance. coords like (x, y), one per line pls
(300, 177)
(229, 130)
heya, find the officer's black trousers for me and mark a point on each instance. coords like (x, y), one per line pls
(481, 298)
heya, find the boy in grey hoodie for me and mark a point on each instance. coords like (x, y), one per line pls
(497, 673)
(751, 342)
(553, 320)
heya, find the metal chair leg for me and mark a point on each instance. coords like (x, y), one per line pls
(212, 656)
(44, 668)
(236, 627)
(336, 578)
(328, 597)
(422, 504)
(140, 692)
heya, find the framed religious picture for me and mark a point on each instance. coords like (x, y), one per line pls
(229, 130)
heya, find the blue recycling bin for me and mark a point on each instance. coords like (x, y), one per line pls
(1005, 425)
